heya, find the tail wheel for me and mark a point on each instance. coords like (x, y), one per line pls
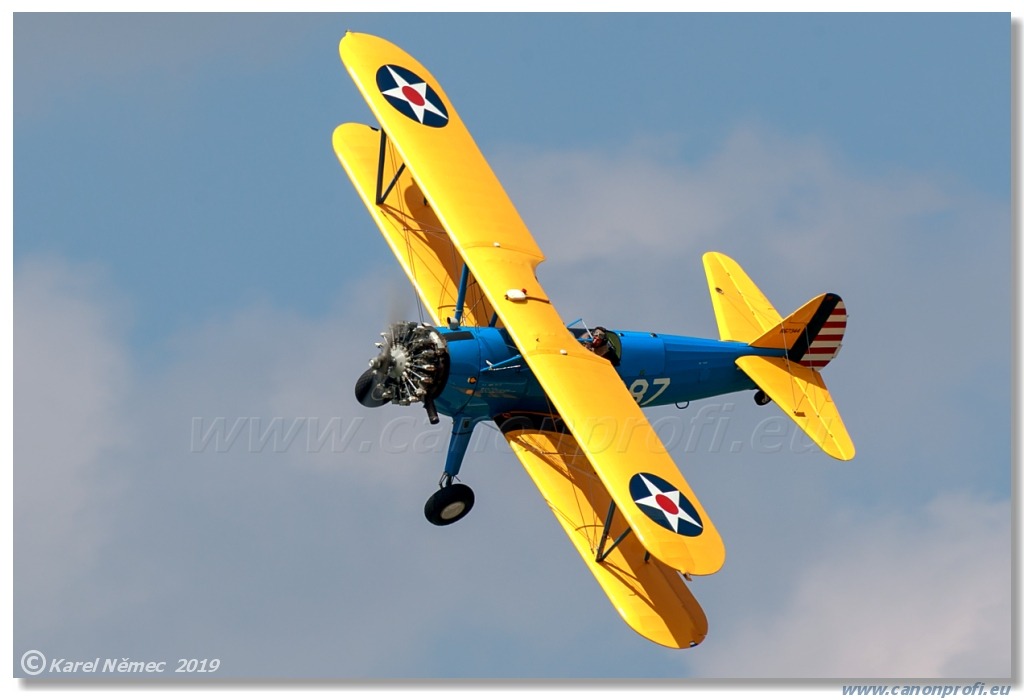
(761, 398)
(449, 504)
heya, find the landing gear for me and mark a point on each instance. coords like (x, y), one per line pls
(453, 501)
(450, 503)
(761, 398)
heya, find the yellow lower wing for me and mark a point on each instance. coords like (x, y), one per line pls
(409, 225)
(801, 393)
(650, 597)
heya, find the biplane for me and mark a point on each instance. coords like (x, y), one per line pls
(567, 399)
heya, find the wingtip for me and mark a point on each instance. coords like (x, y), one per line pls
(845, 454)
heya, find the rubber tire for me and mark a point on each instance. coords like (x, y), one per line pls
(364, 391)
(442, 507)
(761, 398)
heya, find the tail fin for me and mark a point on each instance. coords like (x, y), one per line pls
(811, 337)
(742, 311)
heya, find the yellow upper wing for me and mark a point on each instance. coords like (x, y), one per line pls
(483, 225)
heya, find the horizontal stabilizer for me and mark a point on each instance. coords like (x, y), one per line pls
(802, 395)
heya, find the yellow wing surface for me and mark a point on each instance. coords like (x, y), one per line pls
(651, 597)
(486, 230)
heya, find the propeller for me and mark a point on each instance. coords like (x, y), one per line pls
(412, 366)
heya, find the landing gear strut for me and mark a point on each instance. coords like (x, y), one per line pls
(450, 503)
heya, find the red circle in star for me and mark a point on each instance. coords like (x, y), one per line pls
(413, 96)
(666, 504)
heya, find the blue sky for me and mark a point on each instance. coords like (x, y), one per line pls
(187, 248)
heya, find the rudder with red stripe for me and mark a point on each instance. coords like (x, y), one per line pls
(821, 339)
(812, 335)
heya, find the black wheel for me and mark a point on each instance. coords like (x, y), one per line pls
(451, 503)
(761, 398)
(368, 390)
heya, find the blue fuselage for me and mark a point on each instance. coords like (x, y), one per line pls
(488, 376)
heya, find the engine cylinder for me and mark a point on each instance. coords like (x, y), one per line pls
(412, 366)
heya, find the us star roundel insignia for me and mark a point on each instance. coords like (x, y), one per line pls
(664, 504)
(410, 95)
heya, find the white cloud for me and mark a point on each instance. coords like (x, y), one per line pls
(915, 593)
(760, 194)
(71, 377)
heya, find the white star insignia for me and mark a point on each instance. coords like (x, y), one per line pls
(668, 502)
(414, 95)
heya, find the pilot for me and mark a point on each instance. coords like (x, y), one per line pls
(599, 345)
